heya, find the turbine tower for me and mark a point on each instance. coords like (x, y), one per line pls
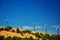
(7, 23)
(21, 26)
(57, 29)
(45, 28)
(34, 26)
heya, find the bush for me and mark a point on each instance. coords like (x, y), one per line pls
(1, 29)
(55, 37)
(8, 28)
(41, 34)
(29, 38)
(37, 35)
(8, 38)
(17, 30)
(17, 38)
(12, 30)
(14, 38)
(1, 37)
(46, 37)
(26, 31)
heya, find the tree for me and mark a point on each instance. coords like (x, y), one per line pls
(18, 31)
(8, 28)
(1, 29)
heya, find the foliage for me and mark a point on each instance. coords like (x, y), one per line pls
(1, 29)
(26, 31)
(47, 36)
(53, 37)
(1, 37)
(8, 28)
(12, 30)
(17, 30)
(29, 38)
(8, 38)
(37, 35)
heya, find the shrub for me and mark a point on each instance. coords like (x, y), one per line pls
(1, 37)
(41, 34)
(37, 35)
(26, 31)
(1, 29)
(12, 30)
(8, 28)
(14, 38)
(8, 38)
(17, 30)
(55, 37)
(29, 38)
(17, 38)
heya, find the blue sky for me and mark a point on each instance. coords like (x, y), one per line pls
(28, 12)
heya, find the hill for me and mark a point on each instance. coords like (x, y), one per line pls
(9, 33)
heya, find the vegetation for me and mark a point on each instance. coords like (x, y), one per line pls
(26, 31)
(17, 30)
(37, 35)
(12, 30)
(53, 37)
(8, 38)
(1, 29)
(2, 38)
(14, 38)
(8, 28)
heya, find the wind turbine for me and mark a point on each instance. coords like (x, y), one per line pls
(45, 28)
(34, 26)
(21, 26)
(57, 29)
(7, 23)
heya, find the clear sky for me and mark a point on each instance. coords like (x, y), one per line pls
(28, 12)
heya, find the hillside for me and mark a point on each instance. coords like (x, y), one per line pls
(9, 33)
